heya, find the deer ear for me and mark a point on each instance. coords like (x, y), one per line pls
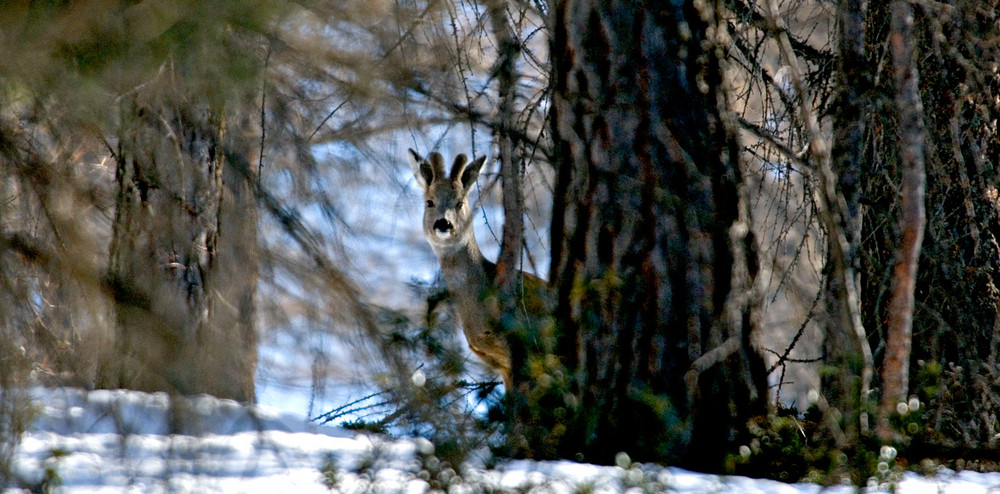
(421, 169)
(471, 172)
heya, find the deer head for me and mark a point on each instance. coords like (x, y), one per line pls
(447, 212)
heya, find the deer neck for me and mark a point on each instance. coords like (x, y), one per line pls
(463, 268)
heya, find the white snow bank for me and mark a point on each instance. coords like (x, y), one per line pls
(119, 441)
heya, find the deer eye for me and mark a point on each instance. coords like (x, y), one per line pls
(430, 203)
(459, 204)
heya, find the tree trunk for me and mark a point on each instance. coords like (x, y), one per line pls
(521, 428)
(895, 369)
(183, 254)
(651, 257)
(510, 170)
(845, 342)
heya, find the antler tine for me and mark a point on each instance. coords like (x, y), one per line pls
(437, 163)
(458, 166)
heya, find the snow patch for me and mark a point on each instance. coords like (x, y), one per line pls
(123, 441)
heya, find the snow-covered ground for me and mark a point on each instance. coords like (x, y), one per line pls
(122, 441)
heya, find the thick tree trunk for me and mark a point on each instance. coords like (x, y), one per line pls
(648, 244)
(183, 257)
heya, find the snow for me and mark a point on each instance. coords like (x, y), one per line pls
(122, 441)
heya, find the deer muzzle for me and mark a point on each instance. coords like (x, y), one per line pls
(443, 227)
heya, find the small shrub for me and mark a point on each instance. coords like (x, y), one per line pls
(785, 447)
(330, 472)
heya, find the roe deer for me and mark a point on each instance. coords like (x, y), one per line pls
(469, 277)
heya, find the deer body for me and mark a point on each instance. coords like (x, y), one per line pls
(469, 277)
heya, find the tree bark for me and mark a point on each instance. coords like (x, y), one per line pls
(183, 258)
(505, 72)
(519, 331)
(648, 244)
(508, 264)
(895, 369)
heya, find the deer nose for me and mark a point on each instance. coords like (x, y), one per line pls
(443, 225)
